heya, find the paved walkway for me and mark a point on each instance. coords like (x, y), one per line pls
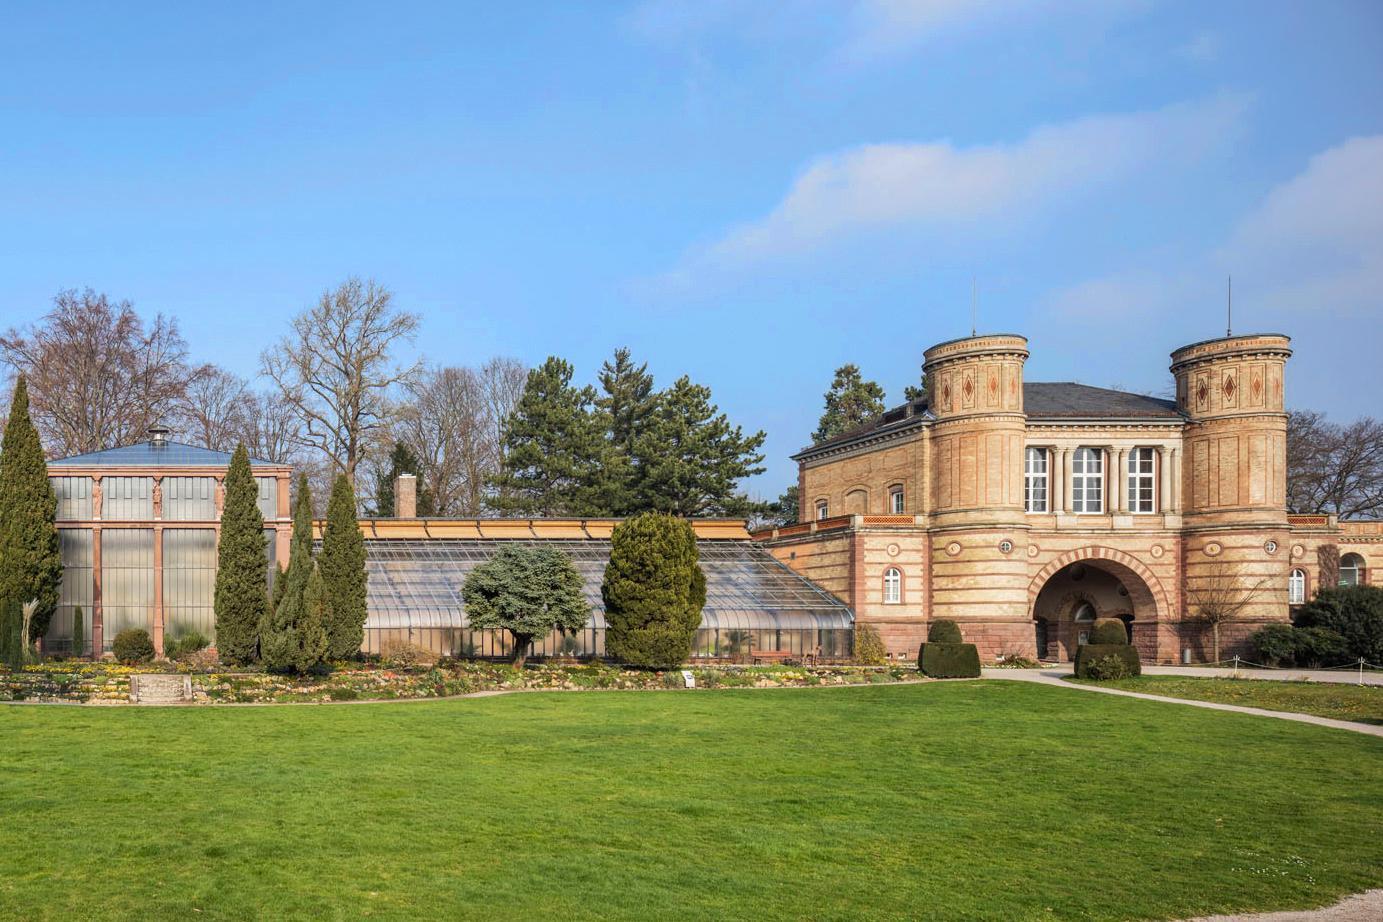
(1350, 676)
(1054, 677)
(1362, 907)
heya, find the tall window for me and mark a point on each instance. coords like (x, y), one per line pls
(822, 509)
(893, 586)
(1087, 480)
(1035, 480)
(1140, 480)
(1296, 587)
(895, 500)
(1351, 570)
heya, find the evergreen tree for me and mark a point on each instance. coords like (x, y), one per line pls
(690, 458)
(342, 563)
(527, 591)
(786, 509)
(280, 646)
(241, 600)
(627, 400)
(78, 632)
(850, 402)
(30, 558)
(313, 644)
(402, 460)
(555, 449)
(654, 591)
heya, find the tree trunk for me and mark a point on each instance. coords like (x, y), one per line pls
(1215, 633)
(521, 644)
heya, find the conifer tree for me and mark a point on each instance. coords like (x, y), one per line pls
(313, 644)
(626, 402)
(690, 458)
(342, 563)
(654, 591)
(402, 460)
(850, 401)
(527, 591)
(30, 557)
(555, 449)
(241, 601)
(280, 645)
(78, 632)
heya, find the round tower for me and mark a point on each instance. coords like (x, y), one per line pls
(1234, 478)
(978, 526)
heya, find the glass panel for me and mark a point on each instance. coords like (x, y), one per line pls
(189, 499)
(127, 499)
(1296, 587)
(189, 581)
(1351, 570)
(77, 590)
(127, 580)
(268, 496)
(74, 497)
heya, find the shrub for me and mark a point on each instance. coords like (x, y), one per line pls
(949, 660)
(1319, 646)
(183, 646)
(1274, 645)
(1016, 661)
(1108, 631)
(78, 632)
(1089, 653)
(132, 646)
(869, 646)
(1107, 668)
(400, 654)
(944, 630)
(1353, 612)
(653, 591)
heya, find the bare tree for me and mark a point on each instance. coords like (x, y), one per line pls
(269, 429)
(335, 369)
(1221, 594)
(503, 380)
(216, 409)
(1333, 468)
(98, 376)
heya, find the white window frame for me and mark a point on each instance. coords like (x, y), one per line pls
(823, 510)
(1141, 491)
(1087, 481)
(1036, 478)
(1356, 569)
(1296, 587)
(897, 501)
(893, 586)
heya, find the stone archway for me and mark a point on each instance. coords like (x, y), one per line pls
(1105, 582)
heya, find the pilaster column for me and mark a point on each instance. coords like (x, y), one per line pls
(1175, 503)
(1164, 479)
(1120, 481)
(1055, 480)
(158, 590)
(1066, 480)
(97, 627)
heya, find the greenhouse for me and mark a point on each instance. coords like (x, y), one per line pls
(753, 602)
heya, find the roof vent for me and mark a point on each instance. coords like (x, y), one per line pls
(158, 435)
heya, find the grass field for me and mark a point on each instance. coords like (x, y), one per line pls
(1361, 703)
(970, 800)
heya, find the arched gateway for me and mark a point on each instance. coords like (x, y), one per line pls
(1070, 592)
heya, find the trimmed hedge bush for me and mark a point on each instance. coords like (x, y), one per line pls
(133, 646)
(1353, 612)
(943, 630)
(949, 660)
(1087, 654)
(1108, 631)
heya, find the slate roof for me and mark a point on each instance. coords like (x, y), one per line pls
(1041, 400)
(146, 454)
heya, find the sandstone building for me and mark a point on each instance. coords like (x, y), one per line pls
(1024, 511)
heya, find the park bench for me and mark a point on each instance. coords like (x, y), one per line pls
(777, 656)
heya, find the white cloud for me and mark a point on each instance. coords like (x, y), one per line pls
(937, 184)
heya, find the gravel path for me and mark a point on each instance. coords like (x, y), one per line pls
(1362, 907)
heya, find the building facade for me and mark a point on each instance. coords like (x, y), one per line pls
(1024, 511)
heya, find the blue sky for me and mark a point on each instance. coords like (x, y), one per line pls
(749, 193)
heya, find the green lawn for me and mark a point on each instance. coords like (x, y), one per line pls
(1361, 703)
(967, 800)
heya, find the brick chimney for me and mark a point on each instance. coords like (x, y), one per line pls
(406, 497)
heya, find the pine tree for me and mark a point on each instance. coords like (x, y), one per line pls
(850, 401)
(690, 458)
(241, 601)
(30, 557)
(527, 591)
(556, 450)
(279, 641)
(918, 391)
(342, 563)
(78, 633)
(626, 402)
(654, 591)
(402, 460)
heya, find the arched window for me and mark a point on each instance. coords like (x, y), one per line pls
(1087, 480)
(897, 503)
(893, 586)
(1351, 570)
(1296, 587)
(823, 509)
(857, 502)
(1085, 612)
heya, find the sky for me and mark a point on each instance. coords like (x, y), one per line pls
(747, 193)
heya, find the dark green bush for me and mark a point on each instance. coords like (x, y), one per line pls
(1108, 631)
(1274, 645)
(949, 660)
(132, 646)
(1353, 612)
(943, 630)
(1089, 653)
(1107, 668)
(1319, 646)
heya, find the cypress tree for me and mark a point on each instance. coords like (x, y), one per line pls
(654, 591)
(241, 601)
(78, 633)
(30, 558)
(279, 644)
(342, 563)
(312, 646)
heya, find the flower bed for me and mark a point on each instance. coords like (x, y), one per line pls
(101, 682)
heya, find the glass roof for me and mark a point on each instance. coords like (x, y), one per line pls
(417, 583)
(147, 454)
